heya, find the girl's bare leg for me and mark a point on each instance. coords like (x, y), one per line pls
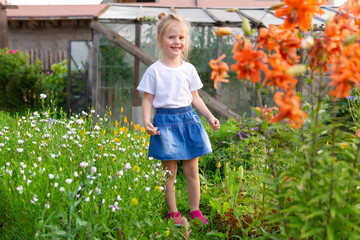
(191, 172)
(170, 187)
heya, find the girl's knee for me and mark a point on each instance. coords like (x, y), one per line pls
(191, 173)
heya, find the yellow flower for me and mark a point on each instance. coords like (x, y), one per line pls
(104, 132)
(125, 119)
(234, 169)
(167, 233)
(136, 168)
(252, 149)
(159, 188)
(134, 201)
(327, 143)
(219, 165)
(131, 123)
(143, 129)
(110, 113)
(344, 145)
(48, 111)
(116, 123)
(115, 133)
(117, 139)
(122, 109)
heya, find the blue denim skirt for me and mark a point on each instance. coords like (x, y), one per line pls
(182, 136)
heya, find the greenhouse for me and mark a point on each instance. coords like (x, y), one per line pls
(124, 44)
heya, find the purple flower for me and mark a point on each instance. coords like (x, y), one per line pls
(352, 98)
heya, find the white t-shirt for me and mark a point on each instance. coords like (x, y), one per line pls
(171, 87)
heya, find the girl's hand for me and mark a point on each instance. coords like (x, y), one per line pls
(215, 123)
(150, 129)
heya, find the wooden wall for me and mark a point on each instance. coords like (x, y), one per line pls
(47, 57)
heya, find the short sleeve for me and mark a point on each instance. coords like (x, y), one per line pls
(147, 83)
(195, 81)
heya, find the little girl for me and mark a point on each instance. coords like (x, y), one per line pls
(170, 85)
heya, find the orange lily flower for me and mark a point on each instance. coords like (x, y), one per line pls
(298, 13)
(289, 104)
(352, 7)
(266, 112)
(336, 32)
(345, 73)
(277, 75)
(249, 62)
(283, 40)
(220, 70)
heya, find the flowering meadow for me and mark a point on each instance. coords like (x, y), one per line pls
(290, 173)
(70, 178)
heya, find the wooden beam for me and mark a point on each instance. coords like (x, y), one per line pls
(212, 15)
(95, 73)
(68, 80)
(217, 107)
(134, 50)
(114, 37)
(259, 23)
(136, 65)
(4, 33)
(219, 53)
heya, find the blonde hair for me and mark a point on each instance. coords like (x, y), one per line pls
(166, 20)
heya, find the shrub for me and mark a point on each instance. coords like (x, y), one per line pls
(19, 81)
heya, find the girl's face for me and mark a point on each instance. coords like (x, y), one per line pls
(173, 41)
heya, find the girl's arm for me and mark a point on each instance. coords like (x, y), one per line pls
(199, 104)
(146, 111)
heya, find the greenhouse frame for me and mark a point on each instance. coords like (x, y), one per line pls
(124, 44)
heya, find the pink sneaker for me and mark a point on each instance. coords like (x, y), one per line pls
(198, 214)
(177, 218)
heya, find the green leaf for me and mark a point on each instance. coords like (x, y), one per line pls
(59, 233)
(198, 221)
(256, 111)
(226, 207)
(215, 233)
(330, 232)
(81, 222)
(314, 214)
(312, 232)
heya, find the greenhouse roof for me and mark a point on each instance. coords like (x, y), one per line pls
(119, 13)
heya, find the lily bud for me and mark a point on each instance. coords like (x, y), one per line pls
(246, 27)
(230, 10)
(330, 19)
(223, 31)
(296, 69)
(277, 5)
(307, 42)
(351, 39)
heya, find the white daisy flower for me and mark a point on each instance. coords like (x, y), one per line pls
(84, 164)
(68, 181)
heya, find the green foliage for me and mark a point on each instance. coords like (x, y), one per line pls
(54, 84)
(19, 81)
(237, 143)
